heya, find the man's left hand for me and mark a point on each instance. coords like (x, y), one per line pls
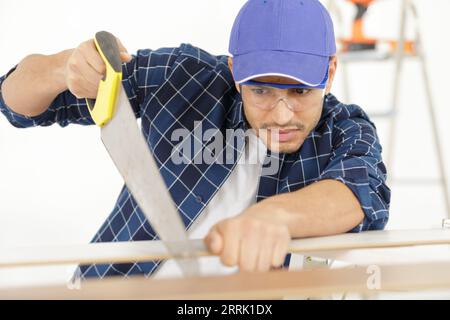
(253, 240)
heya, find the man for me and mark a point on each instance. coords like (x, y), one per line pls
(329, 177)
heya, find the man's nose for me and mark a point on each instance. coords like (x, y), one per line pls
(282, 113)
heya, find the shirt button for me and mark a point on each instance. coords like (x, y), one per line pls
(199, 199)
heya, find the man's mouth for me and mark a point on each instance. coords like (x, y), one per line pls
(283, 135)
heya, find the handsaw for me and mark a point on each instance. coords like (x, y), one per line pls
(120, 134)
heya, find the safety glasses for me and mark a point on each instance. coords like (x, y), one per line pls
(266, 95)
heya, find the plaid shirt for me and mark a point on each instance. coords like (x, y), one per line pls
(174, 88)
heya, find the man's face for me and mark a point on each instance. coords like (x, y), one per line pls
(282, 118)
(282, 128)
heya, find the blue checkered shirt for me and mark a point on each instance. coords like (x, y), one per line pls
(180, 88)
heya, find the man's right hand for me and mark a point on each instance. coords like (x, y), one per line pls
(85, 68)
(38, 78)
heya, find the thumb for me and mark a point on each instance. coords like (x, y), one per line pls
(214, 241)
(125, 57)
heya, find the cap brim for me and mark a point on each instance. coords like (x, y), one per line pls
(305, 68)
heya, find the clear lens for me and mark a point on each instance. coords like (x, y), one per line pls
(266, 98)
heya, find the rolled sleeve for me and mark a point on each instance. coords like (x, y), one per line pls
(357, 163)
(17, 120)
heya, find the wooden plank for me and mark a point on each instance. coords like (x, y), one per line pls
(389, 256)
(267, 285)
(155, 250)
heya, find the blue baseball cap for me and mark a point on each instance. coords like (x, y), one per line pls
(289, 38)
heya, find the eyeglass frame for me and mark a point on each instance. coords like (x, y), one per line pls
(322, 85)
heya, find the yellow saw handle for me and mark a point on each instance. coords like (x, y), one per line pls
(102, 108)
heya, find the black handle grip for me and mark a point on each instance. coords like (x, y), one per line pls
(106, 44)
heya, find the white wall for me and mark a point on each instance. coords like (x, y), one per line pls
(57, 186)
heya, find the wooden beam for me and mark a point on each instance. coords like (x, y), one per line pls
(267, 285)
(117, 252)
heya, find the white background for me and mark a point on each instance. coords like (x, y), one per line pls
(58, 186)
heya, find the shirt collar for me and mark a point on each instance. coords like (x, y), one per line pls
(236, 117)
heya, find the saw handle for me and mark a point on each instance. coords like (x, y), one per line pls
(102, 108)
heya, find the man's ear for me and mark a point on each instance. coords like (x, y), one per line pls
(331, 72)
(230, 65)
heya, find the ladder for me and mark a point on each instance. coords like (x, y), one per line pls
(401, 50)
